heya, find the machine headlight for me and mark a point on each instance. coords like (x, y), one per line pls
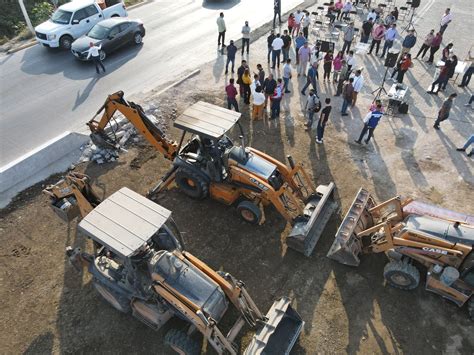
(51, 37)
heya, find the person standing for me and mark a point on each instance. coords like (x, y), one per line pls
(327, 65)
(287, 75)
(291, 24)
(261, 74)
(370, 123)
(240, 73)
(442, 79)
(337, 66)
(342, 77)
(351, 62)
(348, 37)
(270, 39)
(276, 100)
(311, 107)
(231, 92)
(323, 120)
(286, 45)
(311, 78)
(221, 29)
(94, 53)
(466, 78)
(434, 46)
(357, 84)
(366, 30)
(305, 23)
(445, 20)
(378, 33)
(258, 103)
(408, 43)
(298, 19)
(466, 145)
(346, 9)
(246, 81)
(269, 85)
(276, 11)
(231, 51)
(347, 93)
(404, 64)
(372, 15)
(245, 37)
(277, 45)
(390, 36)
(451, 63)
(426, 44)
(304, 55)
(299, 42)
(446, 52)
(338, 8)
(443, 113)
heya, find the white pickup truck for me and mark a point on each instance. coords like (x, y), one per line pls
(74, 19)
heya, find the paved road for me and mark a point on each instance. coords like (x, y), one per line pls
(45, 92)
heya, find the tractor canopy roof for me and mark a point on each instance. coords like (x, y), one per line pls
(124, 222)
(205, 119)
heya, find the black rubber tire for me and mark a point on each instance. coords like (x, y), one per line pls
(470, 307)
(102, 55)
(251, 210)
(119, 302)
(65, 42)
(178, 340)
(115, 15)
(137, 38)
(396, 271)
(199, 189)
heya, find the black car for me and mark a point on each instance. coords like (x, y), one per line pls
(110, 34)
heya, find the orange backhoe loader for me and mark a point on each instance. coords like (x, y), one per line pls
(209, 164)
(411, 234)
(140, 267)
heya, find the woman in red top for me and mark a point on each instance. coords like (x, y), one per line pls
(337, 66)
(403, 65)
(327, 65)
(291, 24)
(435, 43)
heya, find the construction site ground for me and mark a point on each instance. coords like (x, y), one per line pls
(46, 307)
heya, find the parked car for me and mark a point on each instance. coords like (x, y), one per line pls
(73, 19)
(110, 34)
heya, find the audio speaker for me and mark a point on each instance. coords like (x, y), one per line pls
(391, 59)
(325, 46)
(415, 3)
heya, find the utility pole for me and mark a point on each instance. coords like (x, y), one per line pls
(27, 18)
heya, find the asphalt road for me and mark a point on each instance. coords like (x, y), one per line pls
(46, 92)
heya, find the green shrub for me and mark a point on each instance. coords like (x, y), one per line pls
(41, 12)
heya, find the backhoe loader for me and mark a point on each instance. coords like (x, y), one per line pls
(139, 266)
(411, 234)
(209, 164)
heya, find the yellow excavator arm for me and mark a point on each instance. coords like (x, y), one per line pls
(136, 116)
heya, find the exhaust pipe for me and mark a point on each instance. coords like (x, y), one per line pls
(347, 246)
(308, 228)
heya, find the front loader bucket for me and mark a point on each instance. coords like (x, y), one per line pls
(280, 331)
(347, 246)
(66, 208)
(308, 229)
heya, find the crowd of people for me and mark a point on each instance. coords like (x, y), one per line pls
(339, 67)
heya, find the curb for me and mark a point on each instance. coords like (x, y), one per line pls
(139, 4)
(176, 83)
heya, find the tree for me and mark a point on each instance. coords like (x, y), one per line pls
(27, 18)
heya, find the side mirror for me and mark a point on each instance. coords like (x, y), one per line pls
(75, 22)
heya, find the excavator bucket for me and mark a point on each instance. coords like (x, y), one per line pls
(347, 246)
(66, 208)
(280, 331)
(308, 228)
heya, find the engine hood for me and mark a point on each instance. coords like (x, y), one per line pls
(82, 43)
(252, 162)
(49, 27)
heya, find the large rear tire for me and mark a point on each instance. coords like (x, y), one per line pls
(402, 275)
(191, 183)
(249, 212)
(180, 342)
(117, 301)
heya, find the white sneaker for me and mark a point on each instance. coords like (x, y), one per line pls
(318, 141)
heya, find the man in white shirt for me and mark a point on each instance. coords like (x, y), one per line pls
(372, 15)
(258, 103)
(277, 45)
(351, 61)
(445, 20)
(287, 75)
(357, 84)
(221, 29)
(94, 53)
(245, 37)
(298, 18)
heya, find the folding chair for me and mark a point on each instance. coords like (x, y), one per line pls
(402, 12)
(321, 12)
(316, 30)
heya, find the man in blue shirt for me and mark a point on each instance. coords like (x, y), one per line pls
(408, 43)
(299, 42)
(231, 51)
(370, 123)
(390, 36)
(311, 78)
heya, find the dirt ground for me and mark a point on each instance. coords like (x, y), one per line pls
(47, 307)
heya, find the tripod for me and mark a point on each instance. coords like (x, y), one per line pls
(410, 24)
(381, 88)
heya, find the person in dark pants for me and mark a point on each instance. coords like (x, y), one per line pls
(452, 63)
(445, 20)
(245, 37)
(311, 78)
(366, 31)
(466, 78)
(342, 78)
(231, 92)
(378, 33)
(221, 29)
(270, 39)
(276, 100)
(231, 51)
(246, 81)
(426, 44)
(370, 123)
(276, 11)
(277, 45)
(434, 47)
(347, 93)
(402, 67)
(323, 119)
(94, 53)
(442, 79)
(269, 85)
(240, 73)
(443, 113)
(468, 143)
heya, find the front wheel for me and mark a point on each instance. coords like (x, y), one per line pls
(180, 342)
(402, 275)
(249, 212)
(137, 38)
(118, 301)
(102, 55)
(65, 42)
